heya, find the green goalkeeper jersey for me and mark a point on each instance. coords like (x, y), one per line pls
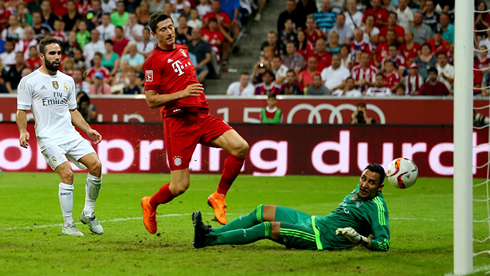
(366, 216)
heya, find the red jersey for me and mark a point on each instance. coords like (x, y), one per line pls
(102, 69)
(381, 14)
(313, 37)
(222, 17)
(399, 31)
(211, 38)
(359, 73)
(33, 64)
(391, 79)
(443, 47)
(363, 46)
(59, 7)
(307, 50)
(260, 89)
(61, 36)
(478, 74)
(120, 45)
(381, 51)
(412, 53)
(4, 18)
(324, 60)
(171, 71)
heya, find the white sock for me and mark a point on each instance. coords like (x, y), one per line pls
(66, 201)
(92, 189)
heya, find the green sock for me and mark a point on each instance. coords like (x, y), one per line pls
(241, 236)
(257, 216)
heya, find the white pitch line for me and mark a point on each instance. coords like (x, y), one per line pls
(174, 215)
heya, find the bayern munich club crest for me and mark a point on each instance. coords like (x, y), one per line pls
(177, 160)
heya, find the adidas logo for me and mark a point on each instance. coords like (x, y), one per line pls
(44, 87)
(169, 60)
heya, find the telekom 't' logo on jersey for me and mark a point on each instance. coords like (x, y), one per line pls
(177, 65)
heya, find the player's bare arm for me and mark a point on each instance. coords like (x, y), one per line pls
(153, 99)
(22, 125)
(78, 120)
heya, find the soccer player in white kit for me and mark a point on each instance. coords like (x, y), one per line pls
(51, 96)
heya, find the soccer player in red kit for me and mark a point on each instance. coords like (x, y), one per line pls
(170, 81)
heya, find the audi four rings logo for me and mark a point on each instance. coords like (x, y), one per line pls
(334, 116)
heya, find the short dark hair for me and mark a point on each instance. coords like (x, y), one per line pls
(213, 19)
(291, 71)
(268, 72)
(271, 95)
(98, 54)
(156, 18)
(244, 73)
(48, 41)
(426, 44)
(432, 69)
(376, 168)
(109, 41)
(380, 75)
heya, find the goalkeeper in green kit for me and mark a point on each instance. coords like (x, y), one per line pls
(360, 219)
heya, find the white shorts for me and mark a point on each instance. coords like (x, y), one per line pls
(73, 150)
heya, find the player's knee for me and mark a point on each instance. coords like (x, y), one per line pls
(66, 176)
(96, 168)
(242, 149)
(178, 188)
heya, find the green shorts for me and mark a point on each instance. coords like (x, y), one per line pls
(298, 229)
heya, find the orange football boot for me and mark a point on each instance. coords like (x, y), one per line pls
(217, 202)
(149, 215)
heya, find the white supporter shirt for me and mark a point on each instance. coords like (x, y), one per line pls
(108, 7)
(404, 17)
(91, 48)
(357, 19)
(234, 90)
(334, 78)
(106, 32)
(349, 93)
(281, 72)
(145, 47)
(50, 98)
(8, 59)
(378, 92)
(448, 70)
(137, 28)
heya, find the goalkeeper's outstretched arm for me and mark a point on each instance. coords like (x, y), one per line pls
(358, 239)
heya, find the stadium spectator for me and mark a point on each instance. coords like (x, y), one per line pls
(68, 66)
(71, 17)
(379, 89)
(131, 5)
(425, 60)
(413, 81)
(431, 17)
(316, 87)
(121, 79)
(333, 45)
(14, 74)
(271, 114)
(47, 16)
(23, 15)
(202, 51)
(194, 21)
(143, 13)
(272, 42)
(222, 17)
(106, 30)
(87, 110)
(33, 61)
(110, 59)
(4, 15)
(242, 87)
(399, 31)
(421, 32)
(94, 16)
(305, 48)
(484, 86)
(71, 44)
(410, 48)
(391, 76)
(433, 87)
(99, 86)
(405, 14)
(146, 46)
(400, 90)
(83, 6)
(58, 32)
(446, 71)
(325, 19)
(181, 6)
(279, 69)
(108, 6)
(267, 55)
(482, 20)
(120, 15)
(305, 77)
(306, 7)
(8, 57)
(216, 36)
(349, 89)
(13, 31)
(388, 5)
(380, 13)
(345, 33)
(345, 56)
(438, 44)
(132, 88)
(335, 75)
(353, 17)
(397, 59)
(324, 58)
(183, 32)
(481, 62)
(232, 9)
(290, 13)
(359, 43)
(83, 35)
(293, 60)
(98, 68)
(40, 29)
(259, 71)
(291, 86)
(95, 45)
(364, 74)
(288, 34)
(311, 31)
(267, 86)
(359, 117)
(203, 8)
(132, 29)
(370, 30)
(485, 42)
(260, 9)
(135, 59)
(447, 28)
(120, 42)
(79, 60)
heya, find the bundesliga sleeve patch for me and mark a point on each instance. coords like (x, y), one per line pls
(149, 75)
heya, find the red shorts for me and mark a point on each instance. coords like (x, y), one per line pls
(184, 131)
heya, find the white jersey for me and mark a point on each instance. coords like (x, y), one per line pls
(50, 98)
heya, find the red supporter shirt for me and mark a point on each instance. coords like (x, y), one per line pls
(307, 51)
(478, 74)
(4, 18)
(439, 89)
(412, 53)
(260, 89)
(324, 60)
(33, 64)
(223, 17)
(120, 45)
(58, 7)
(441, 48)
(359, 73)
(364, 46)
(171, 71)
(313, 37)
(102, 69)
(381, 51)
(381, 14)
(391, 79)
(399, 31)
(211, 38)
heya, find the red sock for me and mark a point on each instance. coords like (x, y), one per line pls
(233, 165)
(163, 195)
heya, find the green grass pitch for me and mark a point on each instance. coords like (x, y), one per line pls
(30, 243)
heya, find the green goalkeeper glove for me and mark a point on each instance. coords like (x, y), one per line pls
(352, 236)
